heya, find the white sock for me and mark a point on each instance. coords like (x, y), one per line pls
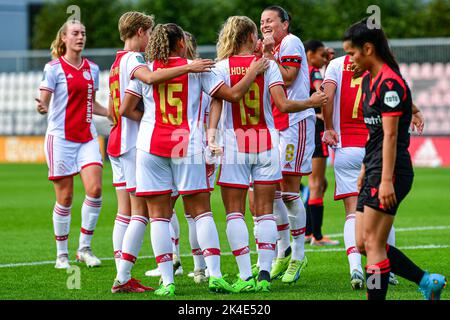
(175, 233)
(120, 227)
(61, 227)
(208, 239)
(132, 243)
(237, 234)
(162, 248)
(255, 232)
(391, 237)
(281, 214)
(267, 235)
(297, 223)
(199, 260)
(89, 217)
(353, 255)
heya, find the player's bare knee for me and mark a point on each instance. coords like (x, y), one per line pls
(94, 191)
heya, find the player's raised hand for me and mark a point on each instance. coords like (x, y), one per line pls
(318, 98)
(330, 138)
(259, 66)
(201, 65)
(417, 122)
(268, 44)
(40, 107)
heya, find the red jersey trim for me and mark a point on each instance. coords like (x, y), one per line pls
(392, 114)
(120, 184)
(267, 181)
(279, 83)
(92, 164)
(53, 178)
(130, 189)
(290, 173)
(46, 89)
(154, 193)
(330, 81)
(135, 69)
(232, 185)
(345, 195)
(133, 93)
(216, 88)
(193, 191)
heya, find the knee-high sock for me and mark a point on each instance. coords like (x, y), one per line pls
(162, 248)
(316, 208)
(402, 266)
(281, 214)
(120, 227)
(297, 222)
(61, 227)
(89, 217)
(237, 234)
(132, 243)
(199, 260)
(391, 237)
(175, 227)
(377, 280)
(353, 255)
(267, 235)
(208, 238)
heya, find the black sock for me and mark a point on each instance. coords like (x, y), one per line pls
(377, 280)
(264, 275)
(309, 229)
(317, 219)
(402, 266)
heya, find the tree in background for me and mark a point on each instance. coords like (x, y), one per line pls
(318, 19)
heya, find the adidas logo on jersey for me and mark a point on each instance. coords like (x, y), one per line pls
(288, 166)
(70, 76)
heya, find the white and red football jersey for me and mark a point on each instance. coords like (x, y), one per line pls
(123, 134)
(172, 124)
(348, 121)
(249, 125)
(71, 109)
(291, 52)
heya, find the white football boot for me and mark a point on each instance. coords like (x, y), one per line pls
(62, 261)
(85, 255)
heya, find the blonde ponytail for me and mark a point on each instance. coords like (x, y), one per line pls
(58, 47)
(233, 35)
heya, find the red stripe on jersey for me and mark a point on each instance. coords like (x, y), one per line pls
(170, 136)
(353, 129)
(281, 120)
(115, 136)
(80, 102)
(249, 121)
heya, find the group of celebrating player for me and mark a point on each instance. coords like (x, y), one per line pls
(250, 115)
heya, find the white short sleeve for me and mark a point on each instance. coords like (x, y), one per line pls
(273, 74)
(332, 72)
(291, 52)
(48, 81)
(212, 81)
(135, 87)
(135, 62)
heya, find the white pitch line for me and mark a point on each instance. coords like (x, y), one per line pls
(403, 230)
(39, 263)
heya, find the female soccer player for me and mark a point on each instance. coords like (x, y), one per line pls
(387, 172)
(170, 150)
(296, 141)
(71, 144)
(317, 57)
(250, 153)
(134, 29)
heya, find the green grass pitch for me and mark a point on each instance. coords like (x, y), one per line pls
(26, 234)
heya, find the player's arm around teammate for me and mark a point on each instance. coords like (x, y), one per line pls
(71, 144)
